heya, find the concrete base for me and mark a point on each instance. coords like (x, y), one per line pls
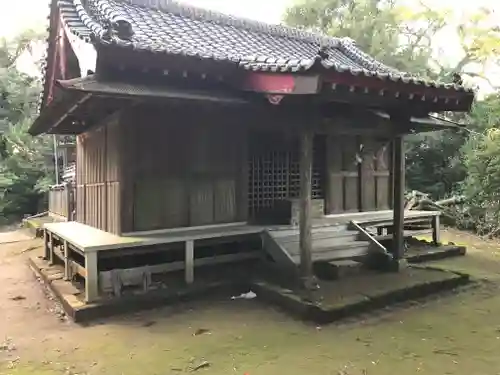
(341, 298)
(71, 298)
(348, 297)
(430, 253)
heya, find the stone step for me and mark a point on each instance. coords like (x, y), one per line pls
(337, 269)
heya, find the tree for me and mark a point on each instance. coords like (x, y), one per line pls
(404, 37)
(375, 25)
(25, 166)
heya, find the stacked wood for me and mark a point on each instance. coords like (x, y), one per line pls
(416, 200)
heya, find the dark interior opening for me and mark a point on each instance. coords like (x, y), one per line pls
(274, 175)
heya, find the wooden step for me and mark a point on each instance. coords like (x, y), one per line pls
(351, 250)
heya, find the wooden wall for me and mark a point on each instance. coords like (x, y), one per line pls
(358, 177)
(184, 167)
(98, 177)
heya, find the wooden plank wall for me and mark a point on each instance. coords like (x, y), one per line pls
(188, 168)
(97, 177)
(357, 177)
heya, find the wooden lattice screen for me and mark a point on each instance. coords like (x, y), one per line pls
(274, 171)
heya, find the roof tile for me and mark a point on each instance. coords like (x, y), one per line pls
(164, 26)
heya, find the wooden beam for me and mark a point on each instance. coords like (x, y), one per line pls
(398, 198)
(305, 222)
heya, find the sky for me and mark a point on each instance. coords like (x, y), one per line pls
(17, 15)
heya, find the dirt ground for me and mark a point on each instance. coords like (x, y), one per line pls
(447, 335)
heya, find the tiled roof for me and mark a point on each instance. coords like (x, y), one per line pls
(164, 26)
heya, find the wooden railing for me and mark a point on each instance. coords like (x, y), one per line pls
(368, 237)
(61, 201)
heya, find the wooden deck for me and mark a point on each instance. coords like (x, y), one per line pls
(89, 242)
(333, 239)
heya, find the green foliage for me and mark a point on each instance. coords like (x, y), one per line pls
(481, 159)
(375, 25)
(433, 162)
(25, 162)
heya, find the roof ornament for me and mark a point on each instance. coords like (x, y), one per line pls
(118, 27)
(457, 79)
(322, 53)
(321, 56)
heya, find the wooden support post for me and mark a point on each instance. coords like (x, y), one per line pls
(92, 279)
(189, 262)
(436, 231)
(306, 161)
(67, 268)
(68, 201)
(398, 198)
(51, 248)
(46, 255)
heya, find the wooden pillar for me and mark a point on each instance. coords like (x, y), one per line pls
(189, 262)
(398, 171)
(92, 278)
(306, 161)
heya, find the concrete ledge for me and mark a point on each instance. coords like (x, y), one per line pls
(435, 253)
(80, 312)
(338, 299)
(350, 304)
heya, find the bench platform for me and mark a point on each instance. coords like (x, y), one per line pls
(89, 242)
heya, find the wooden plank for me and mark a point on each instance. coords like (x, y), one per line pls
(189, 259)
(324, 245)
(383, 175)
(127, 150)
(176, 201)
(305, 222)
(105, 277)
(225, 201)
(243, 176)
(334, 197)
(77, 269)
(201, 202)
(366, 175)
(148, 212)
(351, 180)
(88, 239)
(326, 235)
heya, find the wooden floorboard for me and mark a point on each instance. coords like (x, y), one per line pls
(89, 239)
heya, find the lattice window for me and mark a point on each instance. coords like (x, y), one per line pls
(275, 173)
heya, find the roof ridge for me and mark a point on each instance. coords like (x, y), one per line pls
(203, 14)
